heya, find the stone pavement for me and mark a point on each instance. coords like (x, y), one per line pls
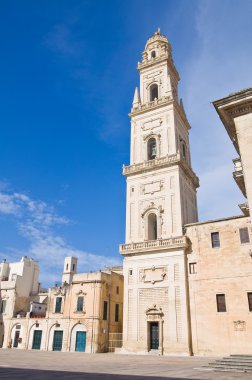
(42, 365)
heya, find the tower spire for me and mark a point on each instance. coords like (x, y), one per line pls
(136, 100)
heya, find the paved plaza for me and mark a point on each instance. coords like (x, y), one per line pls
(39, 365)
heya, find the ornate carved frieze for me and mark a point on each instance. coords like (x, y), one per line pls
(240, 110)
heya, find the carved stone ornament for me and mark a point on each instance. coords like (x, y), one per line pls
(153, 274)
(152, 206)
(239, 325)
(154, 313)
(60, 291)
(80, 292)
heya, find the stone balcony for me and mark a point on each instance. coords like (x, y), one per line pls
(154, 245)
(150, 164)
(238, 175)
(151, 105)
(166, 161)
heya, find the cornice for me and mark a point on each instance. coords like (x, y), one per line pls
(161, 59)
(157, 103)
(149, 106)
(162, 162)
(232, 106)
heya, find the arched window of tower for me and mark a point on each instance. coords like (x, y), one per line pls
(153, 54)
(152, 226)
(153, 92)
(152, 149)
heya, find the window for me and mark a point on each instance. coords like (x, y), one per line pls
(215, 238)
(105, 310)
(116, 312)
(153, 54)
(73, 267)
(244, 235)
(58, 304)
(80, 303)
(221, 303)
(153, 92)
(184, 151)
(152, 227)
(151, 149)
(67, 267)
(130, 272)
(192, 268)
(3, 306)
(117, 290)
(250, 301)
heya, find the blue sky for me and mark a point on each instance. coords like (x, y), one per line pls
(67, 74)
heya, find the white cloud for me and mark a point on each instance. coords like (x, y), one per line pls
(36, 222)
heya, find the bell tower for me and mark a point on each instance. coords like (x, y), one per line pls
(161, 198)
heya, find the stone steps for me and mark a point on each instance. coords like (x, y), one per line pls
(232, 363)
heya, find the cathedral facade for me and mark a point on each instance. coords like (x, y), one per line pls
(179, 273)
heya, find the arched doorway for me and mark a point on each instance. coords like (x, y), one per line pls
(78, 338)
(155, 321)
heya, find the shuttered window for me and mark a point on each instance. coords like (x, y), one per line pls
(116, 312)
(3, 306)
(215, 238)
(80, 303)
(105, 310)
(58, 304)
(250, 301)
(192, 268)
(221, 303)
(244, 235)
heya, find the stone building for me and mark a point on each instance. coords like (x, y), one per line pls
(19, 287)
(187, 283)
(78, 315)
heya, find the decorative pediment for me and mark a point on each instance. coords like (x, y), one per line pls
(151, 206)
(80, 292)
(154, 310)
(152, 135)
(154, 313)
(59, 291)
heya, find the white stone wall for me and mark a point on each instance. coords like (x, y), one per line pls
(157, 279)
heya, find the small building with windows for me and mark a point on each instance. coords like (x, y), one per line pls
(85, 309)
(80, 314)
(19, 287)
